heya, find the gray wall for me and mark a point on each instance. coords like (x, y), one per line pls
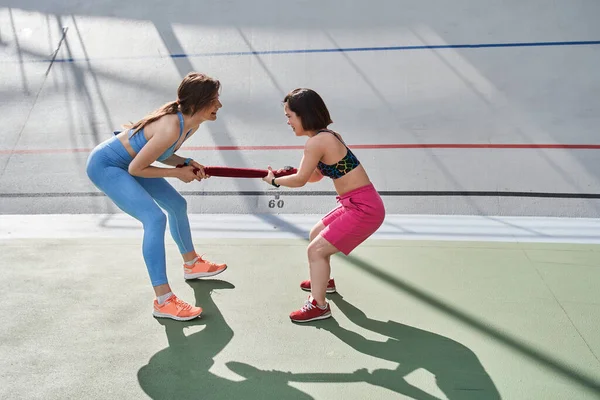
(113, 66)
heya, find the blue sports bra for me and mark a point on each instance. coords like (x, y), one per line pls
(342, 167)
(138, 140)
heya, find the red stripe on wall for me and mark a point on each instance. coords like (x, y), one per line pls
(356, 146)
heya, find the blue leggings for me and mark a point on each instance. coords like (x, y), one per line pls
(107, 169)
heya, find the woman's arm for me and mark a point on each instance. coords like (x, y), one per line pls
(176, 160)
(316, 176)
(313, 151)
(166, 134)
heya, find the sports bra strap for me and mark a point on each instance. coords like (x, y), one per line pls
(334, 134)
(180, 116)
(180, 123)
(180, 129)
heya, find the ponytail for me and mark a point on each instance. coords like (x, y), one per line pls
(169, 108)
(196, 91)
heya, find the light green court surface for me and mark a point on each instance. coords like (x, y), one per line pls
(413, 319)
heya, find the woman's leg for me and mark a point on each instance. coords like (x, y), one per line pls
(107, 169)
(170, 200)
(314, 232)
(319, 226)
(132, 198)
(319, 253)
(176, 207)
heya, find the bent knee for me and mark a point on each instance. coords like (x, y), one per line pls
(180, 203)
(176, 204)
(316, 251)
(154, 219)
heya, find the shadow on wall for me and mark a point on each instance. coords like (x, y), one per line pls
(281, 15)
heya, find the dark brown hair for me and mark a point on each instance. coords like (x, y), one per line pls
(310, 107)
(196, 91)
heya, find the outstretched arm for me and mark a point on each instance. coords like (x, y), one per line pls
(174, 160)
(313, 151)
(177, 160)
(316, 176)
(166, 134)
(359, 318)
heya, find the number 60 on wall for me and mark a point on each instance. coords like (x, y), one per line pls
(276, 203)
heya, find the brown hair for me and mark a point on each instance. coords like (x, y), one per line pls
(196, 91)
(310, 107)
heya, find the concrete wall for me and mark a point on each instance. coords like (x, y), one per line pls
(500, 72)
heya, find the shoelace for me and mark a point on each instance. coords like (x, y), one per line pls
(200, 259)
(182, 305)
(307, 306)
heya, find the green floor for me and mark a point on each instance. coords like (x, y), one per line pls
(412, 320)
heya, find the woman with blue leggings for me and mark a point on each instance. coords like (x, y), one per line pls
(121, 168)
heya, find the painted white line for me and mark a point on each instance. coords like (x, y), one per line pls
(405, 227)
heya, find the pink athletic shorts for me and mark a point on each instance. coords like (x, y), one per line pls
(359, 214)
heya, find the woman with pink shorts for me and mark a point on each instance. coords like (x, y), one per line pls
(360, 211)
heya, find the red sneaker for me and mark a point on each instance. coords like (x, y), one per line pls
(310, 311)
(305, 285)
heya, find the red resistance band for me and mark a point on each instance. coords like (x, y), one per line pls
(232, 172)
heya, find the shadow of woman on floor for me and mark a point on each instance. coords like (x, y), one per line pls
(181, 371)
(457, 370)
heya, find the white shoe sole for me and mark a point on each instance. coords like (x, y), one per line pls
(202, 274)
(328, 290)
(161, 315)
(325, 316)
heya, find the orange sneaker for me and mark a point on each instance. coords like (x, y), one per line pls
(202, 268)
(176, 309)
